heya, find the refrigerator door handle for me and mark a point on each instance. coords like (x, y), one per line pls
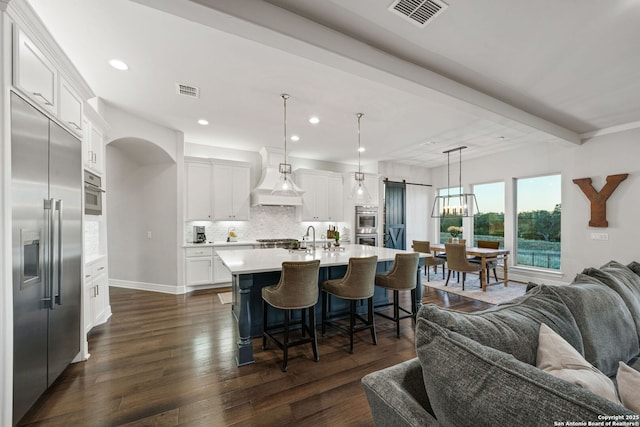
(48, 253)
(60, 253)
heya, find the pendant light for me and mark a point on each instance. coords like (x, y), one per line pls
(359, 193)
(455, 205)
(285, 185)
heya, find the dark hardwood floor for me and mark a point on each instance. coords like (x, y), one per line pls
(167, 360)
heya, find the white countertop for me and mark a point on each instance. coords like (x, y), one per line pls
(221, 243)
(245, 261)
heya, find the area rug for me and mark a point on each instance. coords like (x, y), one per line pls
(495, 294)
(225, 297)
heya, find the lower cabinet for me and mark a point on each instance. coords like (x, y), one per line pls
(199, 266)
(203, 265)
(97, 309)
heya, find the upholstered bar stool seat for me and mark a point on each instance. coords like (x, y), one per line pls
(425, 247)
(296, 290)
(401, 277)
(358, 283)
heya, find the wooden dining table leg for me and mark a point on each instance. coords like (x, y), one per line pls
(505, 270)
(483, 277)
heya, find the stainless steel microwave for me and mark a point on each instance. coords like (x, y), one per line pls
(92, 194)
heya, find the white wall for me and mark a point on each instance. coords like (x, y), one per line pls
(601, 156)
(141, 198)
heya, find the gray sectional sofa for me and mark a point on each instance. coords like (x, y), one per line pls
(479, 369)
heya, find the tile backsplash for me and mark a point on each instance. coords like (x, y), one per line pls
(266, 222)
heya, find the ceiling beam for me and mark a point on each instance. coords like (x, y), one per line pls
(270, 25)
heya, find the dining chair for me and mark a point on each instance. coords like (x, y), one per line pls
(489, 244)
(296, 290)
(358, 283)
(425, 247)
(457, 261)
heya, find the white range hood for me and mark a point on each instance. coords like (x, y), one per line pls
(261, 195)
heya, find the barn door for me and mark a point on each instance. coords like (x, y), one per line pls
(394, 215)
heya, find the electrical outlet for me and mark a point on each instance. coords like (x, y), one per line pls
(148, 235)
(599, 236)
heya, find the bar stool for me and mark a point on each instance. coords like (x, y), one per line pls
(296, 290)
(357, 284)
(401, 277)
(425, 247)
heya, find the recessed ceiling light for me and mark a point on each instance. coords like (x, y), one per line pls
(361, 149)
(314, 120)
(203, 122)
(118, 65)
(295, 138)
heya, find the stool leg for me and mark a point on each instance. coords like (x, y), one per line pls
(264, 324)
(442, 271)
(324, 313)
(448, 277)
(312, 332)
(352, 322)
(427, 271)
(396, 311)
(372, 322)
(303, 314)
(286, 340)
(414, 304)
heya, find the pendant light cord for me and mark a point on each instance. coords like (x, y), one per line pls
(359, 116)
(284, 97)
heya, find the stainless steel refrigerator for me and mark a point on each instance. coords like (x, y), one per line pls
(47, 246)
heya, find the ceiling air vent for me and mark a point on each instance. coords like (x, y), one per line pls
(419, 12)
(186, 90)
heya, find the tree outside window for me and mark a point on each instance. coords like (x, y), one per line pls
(489, 223)
(539, 208)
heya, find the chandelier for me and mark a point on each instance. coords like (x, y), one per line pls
(454, 205)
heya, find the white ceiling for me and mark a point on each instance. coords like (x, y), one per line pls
(490, 75)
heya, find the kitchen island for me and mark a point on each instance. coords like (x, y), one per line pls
(253, 269)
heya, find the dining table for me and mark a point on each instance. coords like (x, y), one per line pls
(486, 255)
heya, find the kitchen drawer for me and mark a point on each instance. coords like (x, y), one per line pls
(95, 268)
(205, 251)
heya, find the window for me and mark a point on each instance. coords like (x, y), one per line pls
(538, 222)
(489, 223)
(447, 222)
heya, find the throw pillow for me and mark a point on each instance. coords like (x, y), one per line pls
(557, 357)
(470, 384)
(635, 267)
(628, 385)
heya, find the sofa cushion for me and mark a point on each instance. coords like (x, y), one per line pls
(512, 327)
(607, 328)
(558, 358)
(635, 267)
(625, 282)
(470, 384)
(628, 385)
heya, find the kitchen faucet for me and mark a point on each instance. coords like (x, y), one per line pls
(314, 236)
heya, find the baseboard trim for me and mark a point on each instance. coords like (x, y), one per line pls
(152, 287)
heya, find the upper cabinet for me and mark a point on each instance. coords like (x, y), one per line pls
(231, 192)
(70, 107)
(34, 73)
(94, 127)
(323, 195)
(198, 191)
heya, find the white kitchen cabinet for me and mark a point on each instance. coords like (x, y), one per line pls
(34, 73)
(70, 112)
(231, 194)
(199, 266)
(198, 191)
(93, 145)
(97, 309)
(322, 199)
(336, 199)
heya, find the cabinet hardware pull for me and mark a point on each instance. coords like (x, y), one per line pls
(101, 268)
(75, 125)
(46, 102)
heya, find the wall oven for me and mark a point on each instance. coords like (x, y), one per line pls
(366, 225)
(92, 194)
